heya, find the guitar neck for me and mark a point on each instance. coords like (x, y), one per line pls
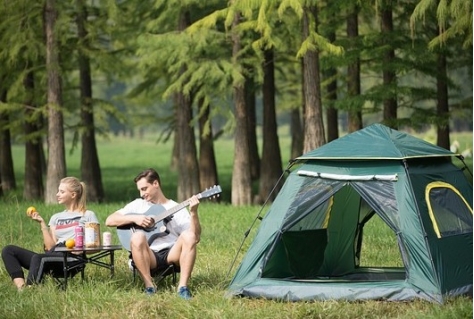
(206, 194)
(172, 210)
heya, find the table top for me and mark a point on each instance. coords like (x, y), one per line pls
(82, 249)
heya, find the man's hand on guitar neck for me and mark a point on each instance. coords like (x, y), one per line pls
(193, 204)
(195, 225)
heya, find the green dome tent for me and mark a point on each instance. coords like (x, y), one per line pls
(308, 246)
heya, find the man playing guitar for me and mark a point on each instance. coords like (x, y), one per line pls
(177, 246)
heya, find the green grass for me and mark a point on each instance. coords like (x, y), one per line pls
(223, 226)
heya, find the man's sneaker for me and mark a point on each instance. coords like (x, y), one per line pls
(184, 293)
(150, 291)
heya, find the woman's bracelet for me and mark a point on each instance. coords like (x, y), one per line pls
(44, 228)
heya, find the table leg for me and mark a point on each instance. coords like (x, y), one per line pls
(65, 270)
(84, 257)
(112, 268)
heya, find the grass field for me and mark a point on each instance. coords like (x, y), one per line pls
(223, 226)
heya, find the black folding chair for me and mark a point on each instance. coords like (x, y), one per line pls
(54, 266)
(158, 275)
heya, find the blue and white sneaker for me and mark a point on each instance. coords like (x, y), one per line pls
(184, 293)
(150, 291)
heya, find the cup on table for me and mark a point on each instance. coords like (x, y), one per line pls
(106, 239)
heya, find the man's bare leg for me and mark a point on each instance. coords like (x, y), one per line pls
(143, 257)
(183, 253)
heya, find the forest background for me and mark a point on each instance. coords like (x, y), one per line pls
(196, 71)
(212, 92)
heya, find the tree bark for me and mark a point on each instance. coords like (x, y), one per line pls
(353, 73)
(175, 151)
(271, 169)
(313, 115)
(297, 121)
(188, 169)
(56, 151)
(389, 77)
(330, 76)
(252, 126)
(207, 157)
(6, 159)
(90, 167)
(241, 179)
(442, 105)
(332, 114)
(297, 137)
(33, 189)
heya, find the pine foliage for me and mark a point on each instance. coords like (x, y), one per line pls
(454, 19)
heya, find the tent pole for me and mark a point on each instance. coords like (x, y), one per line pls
(465, 166)
(258, 217)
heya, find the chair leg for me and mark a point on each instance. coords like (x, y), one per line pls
(160, 276)
(174, 278)
(53, 266)
(165, 273)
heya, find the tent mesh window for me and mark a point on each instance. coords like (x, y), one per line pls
(445, 202)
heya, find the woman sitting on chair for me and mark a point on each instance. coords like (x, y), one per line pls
(72, 194)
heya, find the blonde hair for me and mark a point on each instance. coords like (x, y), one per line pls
(78, 187)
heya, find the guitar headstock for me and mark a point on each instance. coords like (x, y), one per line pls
(213, 192)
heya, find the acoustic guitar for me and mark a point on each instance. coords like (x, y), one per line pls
(161, 217)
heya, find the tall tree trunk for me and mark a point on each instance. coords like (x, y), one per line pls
(175, 151)
(389, 76)
(241, 179)
(297, 121)
(332, 114)
(6, 159)
(271, 169)
(90, 168)
(313, 115)
(188, 170)
(442, 105)
(297, 137)
(353, 73)
(207, 157)
(249, 88)
(33, 188)
(56, 150)
(330, 76)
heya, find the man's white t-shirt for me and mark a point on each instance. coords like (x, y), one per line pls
(179, 223)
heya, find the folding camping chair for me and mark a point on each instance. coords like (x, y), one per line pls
(161, 274)
(158, 275)
(54, 267)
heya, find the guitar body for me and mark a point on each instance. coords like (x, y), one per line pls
(161, 216)
(125, 232)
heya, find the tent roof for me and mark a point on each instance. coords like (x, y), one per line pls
(376, 142)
